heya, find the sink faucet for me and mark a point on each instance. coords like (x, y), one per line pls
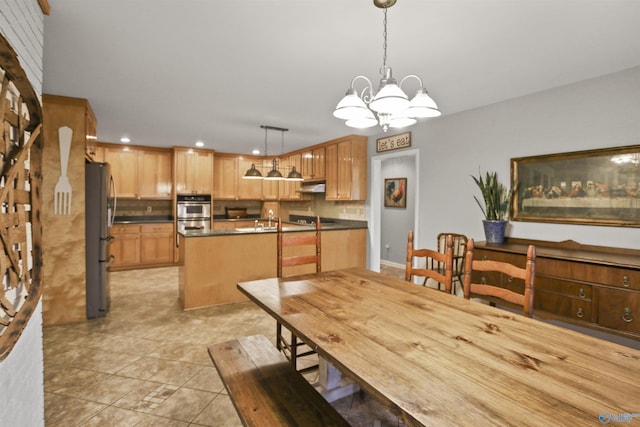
(270, 217)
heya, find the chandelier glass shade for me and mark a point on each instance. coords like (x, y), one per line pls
(389, 106)
(274, 174)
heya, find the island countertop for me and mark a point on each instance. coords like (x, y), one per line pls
(287, 226)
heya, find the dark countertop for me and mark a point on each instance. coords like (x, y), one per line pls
(131, 219)
(327, 224)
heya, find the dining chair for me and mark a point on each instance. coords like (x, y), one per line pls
(296, 251)
(459, 248)
(432, 258)
(499, 272)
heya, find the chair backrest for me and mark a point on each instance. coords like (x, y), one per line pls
(444, 276)
(526, 273)
(298, 248)
(459, 251)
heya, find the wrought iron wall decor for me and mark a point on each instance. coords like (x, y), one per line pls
(20, 199)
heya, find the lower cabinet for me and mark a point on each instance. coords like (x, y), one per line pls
(591, 286)
(141, 245)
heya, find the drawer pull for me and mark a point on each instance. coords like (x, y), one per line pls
(625, 281)
(627, 316)
(510, 279)
(484, 258)
(580, 312)
(483, 280)
(581, 293)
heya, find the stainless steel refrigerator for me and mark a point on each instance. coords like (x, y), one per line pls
(99, 213)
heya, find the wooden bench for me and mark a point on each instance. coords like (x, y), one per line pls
(265, 389)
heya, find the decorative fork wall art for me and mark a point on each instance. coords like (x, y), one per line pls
(62, 191)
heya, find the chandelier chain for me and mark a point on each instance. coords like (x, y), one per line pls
(384, 45)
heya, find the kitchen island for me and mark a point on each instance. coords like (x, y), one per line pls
(213, 262)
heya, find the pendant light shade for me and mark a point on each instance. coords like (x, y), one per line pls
(253, 173)
(294, 175)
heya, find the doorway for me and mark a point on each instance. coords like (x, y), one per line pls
(395, 234)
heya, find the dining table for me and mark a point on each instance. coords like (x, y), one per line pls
(433, 358)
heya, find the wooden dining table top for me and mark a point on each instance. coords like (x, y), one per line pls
(437, 359)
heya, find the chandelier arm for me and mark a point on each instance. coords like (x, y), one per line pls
(366, 97)
(411, 75)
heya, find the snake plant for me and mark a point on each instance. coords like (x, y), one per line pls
(495, 195)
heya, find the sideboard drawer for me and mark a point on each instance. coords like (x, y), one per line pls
(567, 288)
(619, 309)
(573, 308)
(590, 272)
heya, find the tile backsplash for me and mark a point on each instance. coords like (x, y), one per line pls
(135, 207)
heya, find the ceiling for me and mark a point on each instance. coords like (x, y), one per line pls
(167, 72)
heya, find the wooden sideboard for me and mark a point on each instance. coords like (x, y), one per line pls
(596, 287)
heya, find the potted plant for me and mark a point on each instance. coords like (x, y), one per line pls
(495, 205)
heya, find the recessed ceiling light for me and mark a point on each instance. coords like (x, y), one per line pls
(199, 144)
(256, 151)
(125, 140)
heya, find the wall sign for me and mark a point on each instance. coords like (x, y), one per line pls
(394, 142)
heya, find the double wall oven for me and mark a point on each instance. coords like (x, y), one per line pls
(193, 212)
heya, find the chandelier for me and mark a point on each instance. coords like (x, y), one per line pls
(274, 174)
(389, 106)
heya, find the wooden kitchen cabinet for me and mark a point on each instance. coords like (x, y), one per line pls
(141, 245)
(124, 169)
(139, 172)
(270, 189)
(124, 249)
(157, 243)
(154, 174)
(225, 177)
(288, 190)
(346, 168)
(193, 171)
(592, 286)
(313, 164)
(248, 189)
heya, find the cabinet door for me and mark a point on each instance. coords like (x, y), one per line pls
(193, 171)
(293, 186)
(124, 249)
(344, 170)
(619, 310)
(269, 188)
(203, 173)
(331, 172)
(124, 168)
(154, 174)
(312, 164)
(248, 189)
(225, 171)
(156, 243)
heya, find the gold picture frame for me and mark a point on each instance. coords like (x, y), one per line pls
(594, 187)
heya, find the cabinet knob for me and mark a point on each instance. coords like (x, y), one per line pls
(510, 279)
(625, 281)
(483, 280)
(627, 316)
(484, 258)
(581, 293)
(580, 312)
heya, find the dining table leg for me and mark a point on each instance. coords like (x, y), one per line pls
(331, 384)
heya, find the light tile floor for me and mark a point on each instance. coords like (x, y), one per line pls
(146, 363)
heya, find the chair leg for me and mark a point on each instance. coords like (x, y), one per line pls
(294, 351)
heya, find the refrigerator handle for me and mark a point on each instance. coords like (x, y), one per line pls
(112, 184)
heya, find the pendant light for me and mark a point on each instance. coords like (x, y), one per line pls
(389, 106)
(274, 174)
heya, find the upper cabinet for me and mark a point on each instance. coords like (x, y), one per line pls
(139, 172)
(313, 164)
(193, 170)
(225, 177)
(289, 189)
(346, 168)
(154, 174)
(248, 189)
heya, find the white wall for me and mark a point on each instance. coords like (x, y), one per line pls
(597, 113)
(21, 373)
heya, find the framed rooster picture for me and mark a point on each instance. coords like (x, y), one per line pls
(395, 192)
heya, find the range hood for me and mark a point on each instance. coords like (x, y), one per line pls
(312, 187)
